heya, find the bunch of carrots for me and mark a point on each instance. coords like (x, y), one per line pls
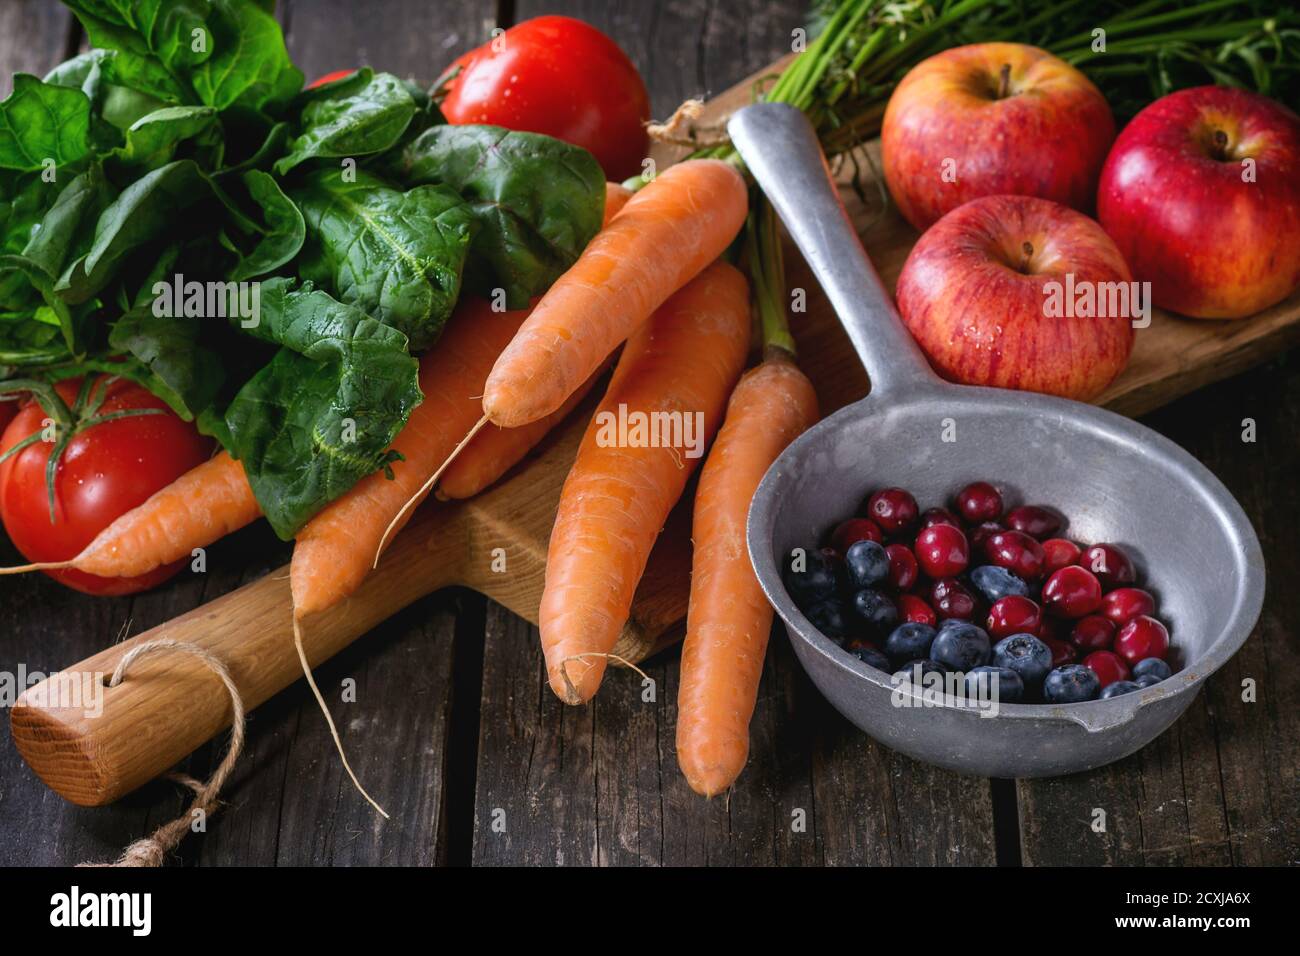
(653, 281)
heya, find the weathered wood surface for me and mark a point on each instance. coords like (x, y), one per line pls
(453, 722)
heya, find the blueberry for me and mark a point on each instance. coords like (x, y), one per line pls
(981, 681)
(877, 610)
(867, 564)
(908, 672)
(869, 655)
(1146, 680)
(1119, 687)
(960, 645)
(1071, 684)
(1026, 655)
(830, 617)
(996, 583)
(816, 582)
(909, 641)
(1153, 666)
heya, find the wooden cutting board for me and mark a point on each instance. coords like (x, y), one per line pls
(497, 543)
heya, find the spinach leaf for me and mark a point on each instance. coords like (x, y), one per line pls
(67, 229)
(142, 213)
(151, 140)
(354, 116)
(179, 369)
(537, 201)
(40, 122)
(282, 233)
(322, 414)
(166, 28)
(395, 255)
(249, 65)
(55, 310)
(134, 63)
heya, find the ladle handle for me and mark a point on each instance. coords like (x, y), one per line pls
(780, 148)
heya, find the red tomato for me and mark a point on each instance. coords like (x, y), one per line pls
(104, 472)
(561, 77)
(7, 412)
(329, 78)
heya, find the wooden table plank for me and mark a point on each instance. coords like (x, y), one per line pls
(600, 784)
(34, 36)
(1222, 786)
(414, 39)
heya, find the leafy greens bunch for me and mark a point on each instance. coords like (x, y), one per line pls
(182, 152)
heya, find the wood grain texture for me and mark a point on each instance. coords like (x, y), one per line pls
(34, 36)
(414, 39)
(1222, 786)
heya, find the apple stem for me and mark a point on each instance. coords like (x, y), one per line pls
(1221, 144)
(1028, 249)
(1004, 82)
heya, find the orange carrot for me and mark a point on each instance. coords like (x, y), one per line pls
(683, 362)
(336, 548)
(494, 451)
(616, 197)
(728, 620)
(665, 235)
(200, 507)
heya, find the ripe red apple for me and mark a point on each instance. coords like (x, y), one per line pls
(1202, 195)
(992, 119)
(995, 294)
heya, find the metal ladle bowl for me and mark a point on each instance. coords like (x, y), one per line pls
(1116, 480)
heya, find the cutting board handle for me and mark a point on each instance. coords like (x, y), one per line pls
(93, 744)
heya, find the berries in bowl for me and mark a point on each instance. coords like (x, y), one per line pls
(1048, 620)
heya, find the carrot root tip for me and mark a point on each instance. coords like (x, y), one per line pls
(38, 566)
(338, 744)
(571, 693)
(424, 489)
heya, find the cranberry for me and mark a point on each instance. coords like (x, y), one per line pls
(1034, 521)
(1072, 592)
(1110, 564)
(1051, 627)
(1109, 667)
(979, 501)
(1017, 552)
(949, 598)
(983, 531)
(1062, 651)
(1058, 553)
(902, 566)
(1013, 614)
(933, 516)
(1123, 604)
(850, 532)
(1141, 638)
(942, 551)
(893, 509)
(914, 610)
(1093, 633)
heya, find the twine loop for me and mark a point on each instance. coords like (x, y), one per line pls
(153, 849)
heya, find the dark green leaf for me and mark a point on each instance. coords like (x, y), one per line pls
(397, 256)
(134, 63)
(537, 201)
(67, 229)
(181, 371)
(355, 116)
(249, 65)
(151, 140)
(322, 415)
(143, 212)
(42, 123)
(283, 230)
